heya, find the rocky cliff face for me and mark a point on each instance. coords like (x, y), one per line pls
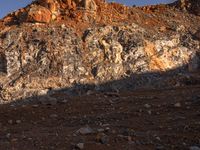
(51, 45)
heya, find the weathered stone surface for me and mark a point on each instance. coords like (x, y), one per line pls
(39, 14)
(52, 5)
(54, 57)
(90, 4)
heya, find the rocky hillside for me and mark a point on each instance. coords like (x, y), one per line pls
(88, 45)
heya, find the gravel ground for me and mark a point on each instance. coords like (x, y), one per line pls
(144, 119)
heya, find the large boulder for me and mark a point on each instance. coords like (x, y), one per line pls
(39, 14)
(52, 5)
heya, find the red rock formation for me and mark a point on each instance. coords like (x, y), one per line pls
(39, 14)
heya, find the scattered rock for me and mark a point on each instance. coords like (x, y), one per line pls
(158, 138)
(127, 132)
(100, 130)
(163, 29)
(160, 147)
(43, 92)
(85, 130)
(18, 121)
(64, 101)
(149, 112)
(147, 106)
(35, 106)
(8, 135)
(107, 129)
(53, 116)
(102, 138)
(177, 105)
(10, 121)
(63, 26)
(80, 146)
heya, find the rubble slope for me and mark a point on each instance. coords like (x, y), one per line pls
(94, 45)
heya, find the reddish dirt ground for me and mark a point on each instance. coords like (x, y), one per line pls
(140, 120)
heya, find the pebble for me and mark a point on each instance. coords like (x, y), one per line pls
(102, 138)
(158, 138)
(10, 121)
(63, 26)
(128, 132)
(149, 112)
(35, 106)
(8, 135)
(107, 128)
(89, 92)
(194, 148)
(43, 92)
(80, 146)
(64, 101)
(105, 125)
(100, 130)
(85, 130)
(18, 121)
(147, 106)
(53, 116)
(157, 113)
(177, 105)
(163, 29)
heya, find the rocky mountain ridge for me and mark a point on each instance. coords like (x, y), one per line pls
(94, 45)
